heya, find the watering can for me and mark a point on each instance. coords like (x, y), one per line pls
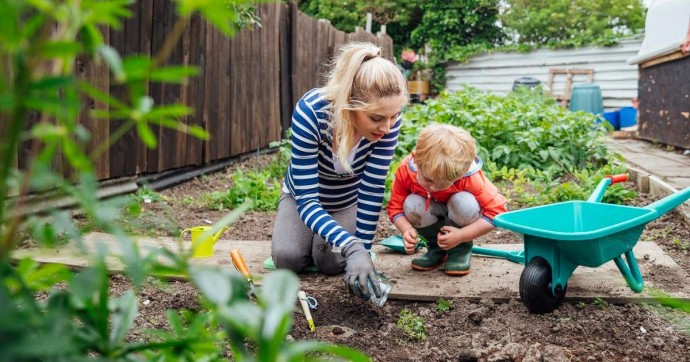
(203, 240)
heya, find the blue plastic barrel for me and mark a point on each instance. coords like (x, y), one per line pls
(628, 117)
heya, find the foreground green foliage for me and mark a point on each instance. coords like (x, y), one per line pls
(51, 313)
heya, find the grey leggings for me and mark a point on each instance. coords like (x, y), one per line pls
(462, 209)
(294, 246)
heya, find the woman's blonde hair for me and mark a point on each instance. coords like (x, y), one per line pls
(444, 153)
(359, 78)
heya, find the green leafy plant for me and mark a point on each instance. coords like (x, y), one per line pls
(411, 325)
(532, 157)
(600, 303)
(263, 187)
(52, 313)
(444, 305)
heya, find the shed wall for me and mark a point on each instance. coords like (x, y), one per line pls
(496, 72)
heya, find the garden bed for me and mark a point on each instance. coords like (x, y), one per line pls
(467, 330)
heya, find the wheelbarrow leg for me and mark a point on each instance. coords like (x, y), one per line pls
(632, 275)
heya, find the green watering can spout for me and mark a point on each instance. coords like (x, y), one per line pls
(669, 202)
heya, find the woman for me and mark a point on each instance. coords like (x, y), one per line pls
(343, 138)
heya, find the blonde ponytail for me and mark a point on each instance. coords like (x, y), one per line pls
(359, 78)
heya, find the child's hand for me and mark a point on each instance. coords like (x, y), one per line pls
(410, 240)
(449, 237)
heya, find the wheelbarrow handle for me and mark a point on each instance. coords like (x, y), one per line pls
(618, 178)
(605, 182)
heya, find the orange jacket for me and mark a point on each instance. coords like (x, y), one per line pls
(490, 200)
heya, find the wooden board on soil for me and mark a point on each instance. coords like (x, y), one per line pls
(492, 278)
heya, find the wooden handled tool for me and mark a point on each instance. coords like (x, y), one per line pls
(302, 296)
(241, 266)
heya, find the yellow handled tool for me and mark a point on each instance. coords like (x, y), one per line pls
(241, 266)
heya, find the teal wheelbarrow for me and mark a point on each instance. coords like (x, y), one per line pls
(562, 236)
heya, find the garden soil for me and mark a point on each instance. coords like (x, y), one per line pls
(470, 330)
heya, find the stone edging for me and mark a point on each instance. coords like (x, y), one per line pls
(657, 187)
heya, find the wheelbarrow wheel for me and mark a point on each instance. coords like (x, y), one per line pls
(535, 288)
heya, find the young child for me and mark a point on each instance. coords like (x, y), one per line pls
(441, 194)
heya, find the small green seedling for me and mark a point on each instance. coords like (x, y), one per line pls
(600, 303)
(422, 242)
(444, 305)
(411, 325)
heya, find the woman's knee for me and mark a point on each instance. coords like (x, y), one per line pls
(463, 208)
(332, 268)
(291, 259)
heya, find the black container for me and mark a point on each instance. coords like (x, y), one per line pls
(528, 82)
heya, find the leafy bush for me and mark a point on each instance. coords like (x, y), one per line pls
(258, 186)
(262, 187)
(535, 151)
(523, 129)
(411, 325)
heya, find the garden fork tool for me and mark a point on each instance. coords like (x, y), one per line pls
(241, 266)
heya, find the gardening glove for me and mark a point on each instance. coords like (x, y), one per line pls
(358, 270)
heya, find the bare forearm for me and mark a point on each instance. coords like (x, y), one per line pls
(402, 224)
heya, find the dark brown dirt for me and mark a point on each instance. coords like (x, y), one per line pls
(470, 330)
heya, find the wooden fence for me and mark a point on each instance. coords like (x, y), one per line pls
(243, 96)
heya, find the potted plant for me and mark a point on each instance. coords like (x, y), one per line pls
(417, 73)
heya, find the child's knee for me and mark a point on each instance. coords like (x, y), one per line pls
(463, 208)
(413, 206)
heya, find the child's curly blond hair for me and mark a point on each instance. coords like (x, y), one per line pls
(444, 153)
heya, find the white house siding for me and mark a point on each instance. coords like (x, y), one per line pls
(496, 72)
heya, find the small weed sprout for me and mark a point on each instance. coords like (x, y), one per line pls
(600, 303)
(444, 305)
(411, 325)
(683, 245)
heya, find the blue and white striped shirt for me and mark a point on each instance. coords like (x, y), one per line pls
(313, 182)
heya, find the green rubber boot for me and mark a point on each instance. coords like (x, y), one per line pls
(459, 259)
(434, 255)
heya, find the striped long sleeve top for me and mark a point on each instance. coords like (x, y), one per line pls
(316, 186)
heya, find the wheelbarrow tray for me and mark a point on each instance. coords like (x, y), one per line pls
(586, 233)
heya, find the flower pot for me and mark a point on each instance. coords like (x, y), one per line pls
(418, 87)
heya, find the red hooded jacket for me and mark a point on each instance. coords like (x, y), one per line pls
(490, 200)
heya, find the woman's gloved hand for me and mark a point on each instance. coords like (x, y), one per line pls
(358, 269)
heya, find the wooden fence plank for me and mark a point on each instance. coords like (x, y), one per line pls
(197, 34)
(274, 124)
(155, 88)
(168, 157)
(286, 98)
(7, 75)
(130, 141)
(117, 151)
(214, 119)
(224, 135)
(208, 90)
(145, 43)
